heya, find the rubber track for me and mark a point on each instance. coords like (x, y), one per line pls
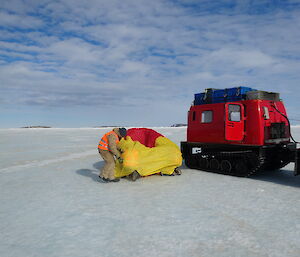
(248, 158)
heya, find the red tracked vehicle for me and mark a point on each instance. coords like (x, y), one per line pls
(239, 131)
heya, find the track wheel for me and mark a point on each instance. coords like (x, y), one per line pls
(203, 163)
(241, 168)
(226, 166)
(214, 164)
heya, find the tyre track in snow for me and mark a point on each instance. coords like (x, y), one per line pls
(41, 163)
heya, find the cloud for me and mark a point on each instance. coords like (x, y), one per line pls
(242, 58)
(19, 21)
(129, 66)
(138, 53)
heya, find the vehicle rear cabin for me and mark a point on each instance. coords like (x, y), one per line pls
(238, 131)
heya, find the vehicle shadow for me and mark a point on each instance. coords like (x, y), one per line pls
(282, 177)
(92, 173)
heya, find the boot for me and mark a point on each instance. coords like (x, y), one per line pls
(177, 171)
(103, 180)
(135, 175)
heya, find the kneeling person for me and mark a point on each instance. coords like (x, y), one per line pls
(107, 148)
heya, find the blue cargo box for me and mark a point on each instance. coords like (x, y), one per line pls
(219, 96)
(238, 91)
(230, 94)
(212, 95)
(200, 99)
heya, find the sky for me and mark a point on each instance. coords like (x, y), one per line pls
(139, 63)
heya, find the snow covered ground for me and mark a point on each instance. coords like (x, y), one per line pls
(51, 204)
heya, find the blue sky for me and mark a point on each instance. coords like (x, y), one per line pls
(138, 63)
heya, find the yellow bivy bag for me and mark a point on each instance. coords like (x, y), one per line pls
(147, 152)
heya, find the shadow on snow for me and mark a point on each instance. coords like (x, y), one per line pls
(93, 174)
(282, 177)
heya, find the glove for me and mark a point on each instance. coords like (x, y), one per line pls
(120, 160)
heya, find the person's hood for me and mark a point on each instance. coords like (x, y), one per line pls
(117, 131)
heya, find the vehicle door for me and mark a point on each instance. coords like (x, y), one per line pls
(234, 122)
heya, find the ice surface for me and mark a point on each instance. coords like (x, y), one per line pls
(53, 205)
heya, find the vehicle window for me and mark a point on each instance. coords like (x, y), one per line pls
(234, 112)
(266, 113)
(194, 116)
(206, 117)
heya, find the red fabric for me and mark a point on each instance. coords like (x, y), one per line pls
(145, 136)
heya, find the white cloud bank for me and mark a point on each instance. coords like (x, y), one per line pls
(141, 53)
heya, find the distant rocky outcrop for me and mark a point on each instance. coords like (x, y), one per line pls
(106, 126)
(179, 125)
(36, 127)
